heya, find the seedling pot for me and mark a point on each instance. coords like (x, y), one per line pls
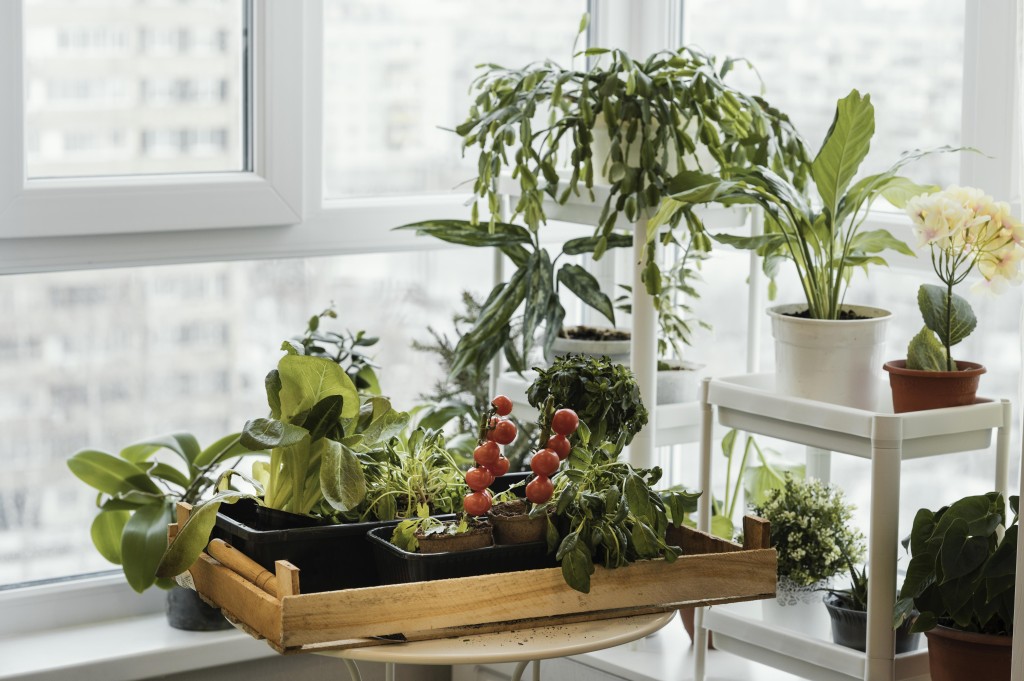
(513, 525)
(914, 390)
(473, 538)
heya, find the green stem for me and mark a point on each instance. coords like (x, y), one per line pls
(949, 324)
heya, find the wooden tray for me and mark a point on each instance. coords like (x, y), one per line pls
(271, 607)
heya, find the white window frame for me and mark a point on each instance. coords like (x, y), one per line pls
(269, 194)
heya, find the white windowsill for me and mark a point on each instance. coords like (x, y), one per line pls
(119, 650)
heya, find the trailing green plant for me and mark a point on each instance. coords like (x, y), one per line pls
(530, 122)
(811, 530)
(137, 495)
(604, 395)
(962, 568)
(820, 236)
(345, 349)
(610, 511)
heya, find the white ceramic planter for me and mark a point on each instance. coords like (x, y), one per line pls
(679, 385)
(617, 350)
(601, 148)
(798, 609)
(835, 361)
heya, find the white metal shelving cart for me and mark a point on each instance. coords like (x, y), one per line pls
(750, 404)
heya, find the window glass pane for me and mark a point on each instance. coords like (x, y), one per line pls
(117, 87)
(907, 55)
(397, 71)
(105, 358)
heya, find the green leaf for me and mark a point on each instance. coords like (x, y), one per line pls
(341, 477)
(934, 304)
(925, 352)
(194, 535)
(465, 233)
(324, 417)
(587, 244)
(110, 474)
(306, 380)
(143, 543)
(182, 444)
(846, 144)
(272, 384)
(225, 448)
(961, 554)
(722, 527)
(926, 621)
(170, 474)
(106, 533)
(577, 566)
(877, 241)
(264, 433)
(587, 288)
(898, 190)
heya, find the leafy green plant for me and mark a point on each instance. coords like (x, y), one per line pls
(811, 530)
(854, 597)
(406, 534)
(610, 511)
(964, 228)
(137, 495)
(604, 395)
(345, 349)
(963, 566)
(822, 237)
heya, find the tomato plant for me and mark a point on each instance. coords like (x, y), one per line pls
(499, 467)
(502, 405)
(479, 478)
(545, 462)
(559, 444)
(477, 503)
(487, 453)
(540, 489)
(502, 431)
(565, 422)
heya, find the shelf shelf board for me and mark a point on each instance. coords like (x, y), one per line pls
(749, 403)
(739, 629)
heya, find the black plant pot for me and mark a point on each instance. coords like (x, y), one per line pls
(850, 627)
(186, 610)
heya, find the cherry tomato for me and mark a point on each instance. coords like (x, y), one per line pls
(540, 489)
(502, 431)
(502, 405)
(559, 445)
(487, 453)
(477, 503)
(499, 467)
(545, 462)
(565, 422)
(479, 478)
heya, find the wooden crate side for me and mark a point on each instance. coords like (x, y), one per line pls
(240, 600)
(423, 606)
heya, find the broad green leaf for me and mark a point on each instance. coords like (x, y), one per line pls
(846, 144)
(307, 380)
(110, 474)
(170, 474)
(386, 426)
(721, 526)
(182, 444)
(926, 621)
(465, 233)
(898, 190)
(193, 536)
(264, 433)
(143, 543)
(367, 381)
(341, 477)
(961, 554)
(323, 418)
(934, 305)
(877, 241)
(577, 566)
(587, 288)
(106, 533)
(587, 244)
(225, 448)
(925, 352)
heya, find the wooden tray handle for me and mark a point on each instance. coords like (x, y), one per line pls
(757, 533)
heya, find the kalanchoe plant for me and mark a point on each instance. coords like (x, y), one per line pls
(962, 567)
(811, 530)
(604, 395)
(964, 228)
(822, 237)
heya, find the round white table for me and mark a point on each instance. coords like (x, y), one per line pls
(522, 646)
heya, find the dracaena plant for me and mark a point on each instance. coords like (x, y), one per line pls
(964, 228)
(820, 235)
(537, 124)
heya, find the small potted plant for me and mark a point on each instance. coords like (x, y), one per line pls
(848, 609)
(811, 531)
(964, 229)
(603, 394)
(961, 579)
(826, 349)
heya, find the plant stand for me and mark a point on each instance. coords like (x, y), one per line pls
(748, 403)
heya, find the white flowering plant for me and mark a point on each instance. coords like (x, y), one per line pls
(964, 228)
(811, 530)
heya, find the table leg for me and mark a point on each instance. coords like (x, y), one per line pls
(700, 634)
(353, 669)
(517, 674)
(389, 671)
(536, 670)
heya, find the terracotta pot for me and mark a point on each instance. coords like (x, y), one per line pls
(513, 525)
(914, 390)
(955, 655)
(850, 627)
(474, 538)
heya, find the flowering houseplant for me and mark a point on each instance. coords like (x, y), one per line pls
(810, 530)
(965, 228)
